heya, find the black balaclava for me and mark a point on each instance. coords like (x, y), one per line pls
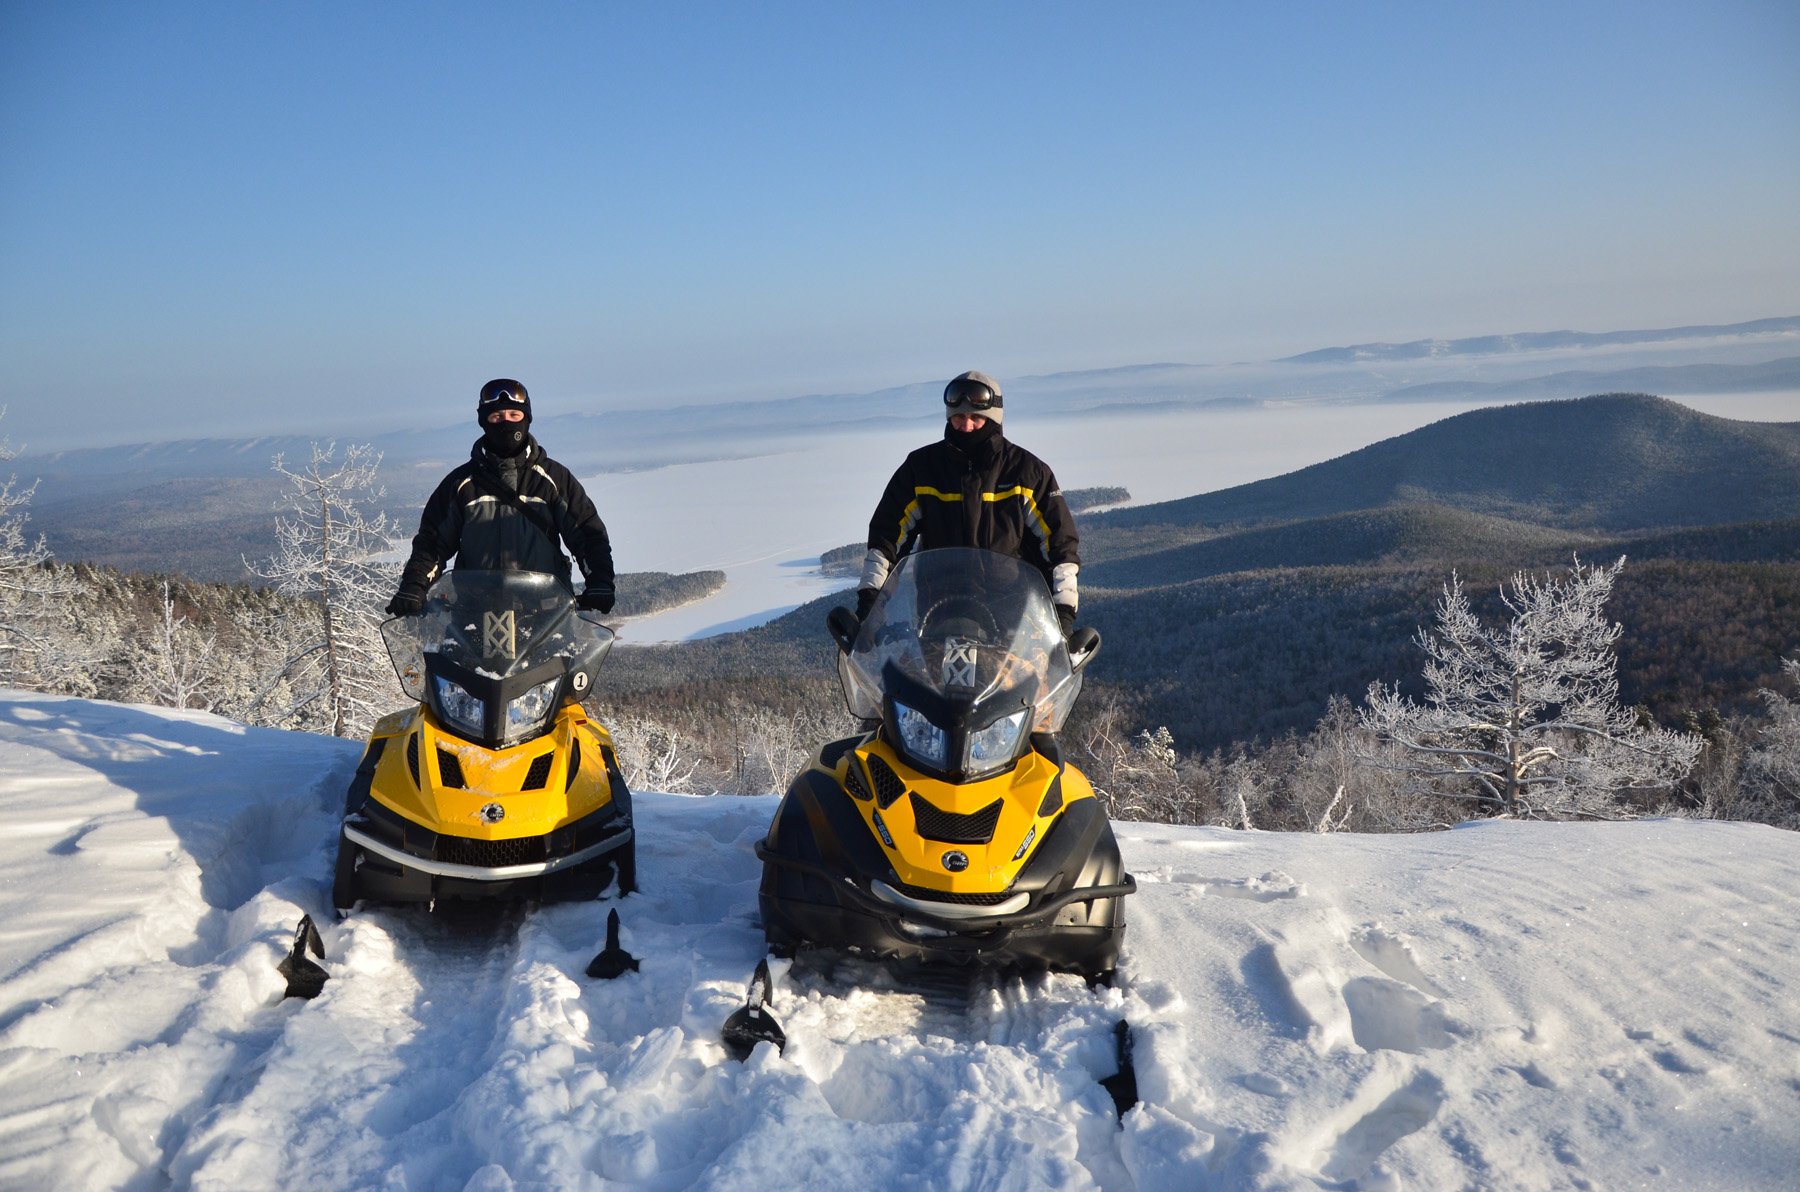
(972, 442)
(503, 438)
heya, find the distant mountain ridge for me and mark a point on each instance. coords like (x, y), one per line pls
(1609, 463)
(1664, 379)
(1534, 341)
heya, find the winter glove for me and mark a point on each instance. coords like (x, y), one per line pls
(596, 599)
(1065, 617)
(865, 600)
(407, 602)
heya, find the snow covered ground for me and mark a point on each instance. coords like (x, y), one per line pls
(1500, 1006)
(765, 518)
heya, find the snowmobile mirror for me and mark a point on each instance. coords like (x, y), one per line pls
(843, 626)
(1084, 643)
(752, 1023)
(305, 978)
(613, 961)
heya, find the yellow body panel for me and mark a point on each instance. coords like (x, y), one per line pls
(992, 866)
(492, 777)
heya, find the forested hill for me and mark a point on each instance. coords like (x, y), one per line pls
(1614, 462)
(1408, 533)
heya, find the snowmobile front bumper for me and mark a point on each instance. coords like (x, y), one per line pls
(1070, 930)
(396, 860)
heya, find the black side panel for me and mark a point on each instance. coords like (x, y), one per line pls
(816, 824)
(358, 791)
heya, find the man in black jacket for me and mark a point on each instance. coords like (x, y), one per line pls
(974, 488)
(506, 510)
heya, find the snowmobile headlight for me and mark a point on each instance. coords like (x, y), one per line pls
(458, 706)
(924, 740)
(525, 714)
(995, 746)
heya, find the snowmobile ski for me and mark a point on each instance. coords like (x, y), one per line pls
(305, 977)
(612, 961)
(752, 1023)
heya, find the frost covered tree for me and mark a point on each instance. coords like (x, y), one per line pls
(1772, 770)
(1525, 717)
(328, 550)
(176, 662)
(38, 647)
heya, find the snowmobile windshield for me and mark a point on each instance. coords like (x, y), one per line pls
(970, 627)
(497, 652)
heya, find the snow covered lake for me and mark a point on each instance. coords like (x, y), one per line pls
(1505, 1005)
(764, 518)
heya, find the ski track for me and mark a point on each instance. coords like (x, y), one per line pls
(1354, 1036)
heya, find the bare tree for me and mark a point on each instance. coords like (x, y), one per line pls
(1525, 718)
(328, 549)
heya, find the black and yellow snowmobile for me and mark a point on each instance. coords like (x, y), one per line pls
(955, 829)
(496, 785)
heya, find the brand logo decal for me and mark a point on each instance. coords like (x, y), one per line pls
(956, 861)
(959, 662)
(499, 635)
(493, 813)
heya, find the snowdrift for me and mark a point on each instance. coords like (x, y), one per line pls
(1504, 1005)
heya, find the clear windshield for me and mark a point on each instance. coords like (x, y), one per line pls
(496, 623)
(963, 622)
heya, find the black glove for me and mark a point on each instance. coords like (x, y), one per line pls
(596, 598)
(865, 600)
(407, 602)
(1065, 617)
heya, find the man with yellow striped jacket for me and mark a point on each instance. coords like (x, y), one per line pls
(974, 488)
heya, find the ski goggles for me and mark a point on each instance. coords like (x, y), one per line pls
(973, 394)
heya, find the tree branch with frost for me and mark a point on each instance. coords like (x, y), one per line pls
(1525, 716)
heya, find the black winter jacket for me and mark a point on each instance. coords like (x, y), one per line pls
(996, 496)
(465, 518)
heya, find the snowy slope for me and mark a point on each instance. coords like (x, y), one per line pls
(1501, 1006)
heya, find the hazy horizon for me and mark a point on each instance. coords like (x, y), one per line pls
(219, 217)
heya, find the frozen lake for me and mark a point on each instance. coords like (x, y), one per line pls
(765, 518)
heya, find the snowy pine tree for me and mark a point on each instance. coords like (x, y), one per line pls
(1525, 718)
(336, 678)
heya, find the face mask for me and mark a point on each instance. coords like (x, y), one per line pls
(968, 440)
(504, 438)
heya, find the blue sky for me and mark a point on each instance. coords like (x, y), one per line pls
(332, 217)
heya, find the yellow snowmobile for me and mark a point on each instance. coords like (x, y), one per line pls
(496, 785)
(955, 829)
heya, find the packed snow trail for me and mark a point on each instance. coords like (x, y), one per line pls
(1505, 1005)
